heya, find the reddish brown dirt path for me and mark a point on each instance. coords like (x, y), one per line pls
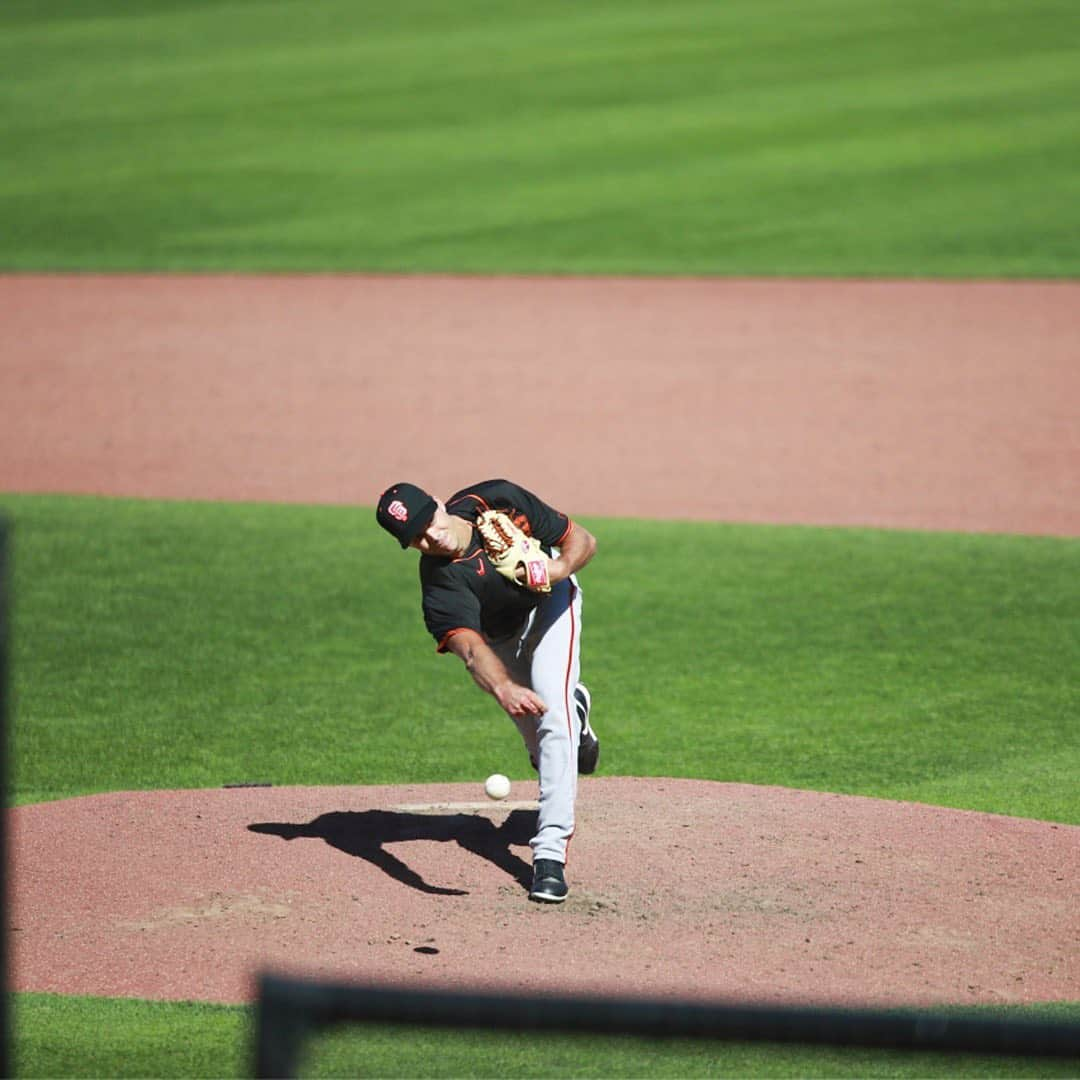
(943, 406)
(682, 888)
(921, 405)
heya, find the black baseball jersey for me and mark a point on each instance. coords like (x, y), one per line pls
(469, 593)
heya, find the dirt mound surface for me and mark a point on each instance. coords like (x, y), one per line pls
(680, 888)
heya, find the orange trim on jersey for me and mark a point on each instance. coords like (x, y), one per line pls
(520, 520)
(471, 554)
(441, 646)
(469, 495)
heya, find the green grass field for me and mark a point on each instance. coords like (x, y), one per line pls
(175, 644)
(195, 644)
(140, 1039)
(823, 137)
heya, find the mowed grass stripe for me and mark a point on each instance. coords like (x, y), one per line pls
(783, 138)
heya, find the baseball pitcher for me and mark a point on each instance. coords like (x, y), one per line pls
(498, 584)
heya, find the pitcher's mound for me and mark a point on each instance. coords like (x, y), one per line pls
(679, 888)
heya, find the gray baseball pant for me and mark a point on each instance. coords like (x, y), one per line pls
(546, 656)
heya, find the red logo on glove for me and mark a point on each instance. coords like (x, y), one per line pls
(537, 574)
(397, 510)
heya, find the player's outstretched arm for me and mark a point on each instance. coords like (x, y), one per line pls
(490, 674)
(578, 547)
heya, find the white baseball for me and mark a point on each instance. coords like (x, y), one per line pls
(497, 786)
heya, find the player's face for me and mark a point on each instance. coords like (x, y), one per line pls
(439, 537)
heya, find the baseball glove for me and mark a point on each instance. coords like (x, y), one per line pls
(508, 548)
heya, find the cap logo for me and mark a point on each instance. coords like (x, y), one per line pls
(397, 510)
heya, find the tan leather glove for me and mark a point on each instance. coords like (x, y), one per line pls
(509, 548)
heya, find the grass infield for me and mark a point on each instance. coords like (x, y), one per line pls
(198, 644)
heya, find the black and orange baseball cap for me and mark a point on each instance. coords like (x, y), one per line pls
(405, 511)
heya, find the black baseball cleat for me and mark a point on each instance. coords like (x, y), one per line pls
(549, 885)
(589, 747)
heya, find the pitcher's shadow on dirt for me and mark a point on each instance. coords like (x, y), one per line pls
(365, 834)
